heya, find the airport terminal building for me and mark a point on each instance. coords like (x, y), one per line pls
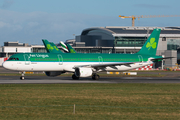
(125, 39)
(115, 39)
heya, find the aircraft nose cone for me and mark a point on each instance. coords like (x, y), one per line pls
(5, 65)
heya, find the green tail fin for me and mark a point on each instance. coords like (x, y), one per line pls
(150, 47)
(71, 50)
(55, 47)
(51, 47)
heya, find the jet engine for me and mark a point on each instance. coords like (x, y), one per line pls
(53, 73)
(83, 72)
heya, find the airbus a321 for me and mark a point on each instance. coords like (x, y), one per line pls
(85, 64)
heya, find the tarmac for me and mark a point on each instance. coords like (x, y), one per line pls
(171, 77)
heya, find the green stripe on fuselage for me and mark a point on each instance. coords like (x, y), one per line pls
(81, 57)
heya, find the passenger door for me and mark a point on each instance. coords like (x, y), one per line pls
(27, 59)
(140, 59)
(60, 58)
(100, 59)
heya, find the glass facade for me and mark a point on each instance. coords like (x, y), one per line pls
(38, 50)
(130, 41)
(93, 50)
(173, 43)
(82, 50)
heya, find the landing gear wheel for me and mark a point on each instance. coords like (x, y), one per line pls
(22, 76)
(74, 77)
(95, 77)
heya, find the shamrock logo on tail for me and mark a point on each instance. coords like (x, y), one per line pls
(72, 51)
(152, 44)
(56, 48)
(49, 47)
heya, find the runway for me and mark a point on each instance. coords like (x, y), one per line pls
(68, 80)
(171, 77)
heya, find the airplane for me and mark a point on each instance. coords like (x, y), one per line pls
(51, 47)
(64, 47)
(71, 50)
(85, 64)
(56, 48)
(68, 48)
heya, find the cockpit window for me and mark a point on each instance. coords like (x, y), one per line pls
(13, 58)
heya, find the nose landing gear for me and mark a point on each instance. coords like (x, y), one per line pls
(22, 76)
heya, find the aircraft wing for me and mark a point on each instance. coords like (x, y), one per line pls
(105, 65)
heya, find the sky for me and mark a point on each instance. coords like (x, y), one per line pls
(30, 21)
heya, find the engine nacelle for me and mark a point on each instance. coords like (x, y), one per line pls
(83, 72)
(53, 73)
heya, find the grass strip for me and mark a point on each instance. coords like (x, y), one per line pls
(93, 101)
(92, 106)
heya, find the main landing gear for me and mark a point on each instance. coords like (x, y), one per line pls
(22, 76)
(74, 77)
(95, 76)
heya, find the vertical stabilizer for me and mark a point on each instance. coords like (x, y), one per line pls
(64, 47)
(50, 48)
(150, 46)
(55, 47)
(71, 50)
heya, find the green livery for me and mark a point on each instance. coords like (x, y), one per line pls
(150, 47)
(81, 57)
(51, 47)
(55, 47)
(71, 50)
(84, 64)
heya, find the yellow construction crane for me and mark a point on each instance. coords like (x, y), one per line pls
(146, 16)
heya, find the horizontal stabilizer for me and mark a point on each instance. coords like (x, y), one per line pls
(162, 58)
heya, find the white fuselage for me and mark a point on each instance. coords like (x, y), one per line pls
(65, 66)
